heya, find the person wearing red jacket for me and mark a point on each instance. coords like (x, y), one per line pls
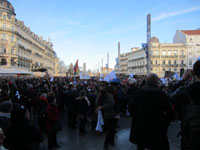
(53, 121)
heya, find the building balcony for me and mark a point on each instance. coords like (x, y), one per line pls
(182, 65)
(155, 56)
(172, 56)
(155, 65)
(164, 56)
(182, 56)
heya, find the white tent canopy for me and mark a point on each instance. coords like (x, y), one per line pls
(13, 71)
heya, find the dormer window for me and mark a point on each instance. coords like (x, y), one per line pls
(4, 4)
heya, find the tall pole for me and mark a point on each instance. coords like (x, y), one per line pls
(108, 63)
(148, 43)
(102, 66)
(119, 57)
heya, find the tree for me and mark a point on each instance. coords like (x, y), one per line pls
(62, 68)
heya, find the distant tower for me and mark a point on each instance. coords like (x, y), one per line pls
(108, 62)
(119, 57)
(84, 66)
(148, 51)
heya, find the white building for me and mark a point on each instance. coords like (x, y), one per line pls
(191, 38)
(124, 63)
(137, 62)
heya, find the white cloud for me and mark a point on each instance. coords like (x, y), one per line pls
(176, 13)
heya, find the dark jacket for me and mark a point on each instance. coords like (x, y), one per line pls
(181, 100)
(5, 122)
(151, 116)
(107, 103)
(83, 106)
(22, 135)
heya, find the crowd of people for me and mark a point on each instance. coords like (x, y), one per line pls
(31, 108)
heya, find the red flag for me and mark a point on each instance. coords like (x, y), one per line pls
(76, 67)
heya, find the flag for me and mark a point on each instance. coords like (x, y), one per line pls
(131, 75)
(176, 76)
(76, 68)
(101, 77)
(51, 80)
(110, 76)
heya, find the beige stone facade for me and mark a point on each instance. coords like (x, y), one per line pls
(164, 57)
(168, 57)
(20, 47)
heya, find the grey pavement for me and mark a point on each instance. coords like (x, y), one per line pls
(69, 139)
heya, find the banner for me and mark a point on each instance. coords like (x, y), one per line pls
(84, 76)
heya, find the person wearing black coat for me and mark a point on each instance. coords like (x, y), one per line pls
(185, 96)
(5, 110)
(84, 104)
(22, 135)
(151, 115)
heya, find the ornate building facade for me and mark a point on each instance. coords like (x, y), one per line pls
(20, 47)
(168, 57)
(164, 57)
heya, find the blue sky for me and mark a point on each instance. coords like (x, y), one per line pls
(88, 29)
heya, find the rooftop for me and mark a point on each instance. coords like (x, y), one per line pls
(191, 32)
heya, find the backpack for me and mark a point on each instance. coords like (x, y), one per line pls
(191, 126)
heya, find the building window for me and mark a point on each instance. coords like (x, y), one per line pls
(12, 51)
(12, 62)
(163, 62)
(169, 69)
(4, 4)
(156, 53)
(182, 62)
(3, 50)
(190, 52)
(12, 38)
(4, 26)
(3, 36)
(175, 69)
(13, 28)
(175, 53)
(169, 53)
(182, 53)
(3, 61)
(169, 62)
(156, 62)
(190, 62)
(163, 53)
(174, 62)
(163, 69)
(4, 17)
